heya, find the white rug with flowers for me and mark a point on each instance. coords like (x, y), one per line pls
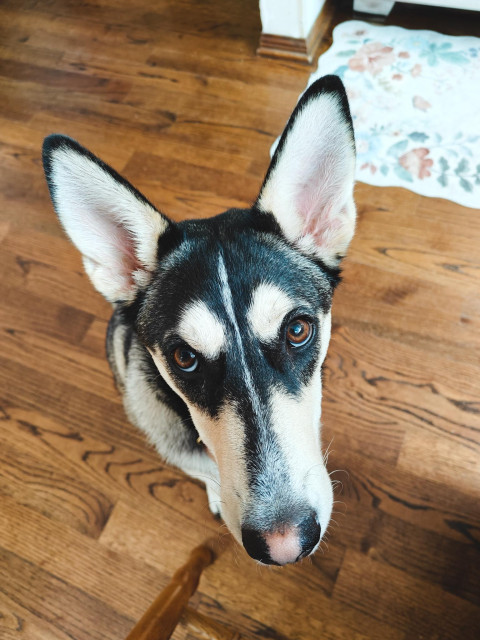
(415, 102)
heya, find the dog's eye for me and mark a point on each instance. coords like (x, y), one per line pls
(299, 332)
(185, 359)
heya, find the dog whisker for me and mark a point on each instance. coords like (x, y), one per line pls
(186, 339)
(339, 471)
(327, 452)
(207, 478)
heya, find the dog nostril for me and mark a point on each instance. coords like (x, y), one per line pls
(284, 543)
(309, 534)
(255, 546)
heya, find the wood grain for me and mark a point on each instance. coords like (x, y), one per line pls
(92, 523)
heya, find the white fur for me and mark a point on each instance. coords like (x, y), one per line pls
(325, 330)
(163, 426)
(202, 330)
(118, 346)
(228, 302)
(268, 308)
(310, 190)
(224, 437)
(116, 232)
(296, 423)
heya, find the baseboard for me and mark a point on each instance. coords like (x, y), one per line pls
(302, 50)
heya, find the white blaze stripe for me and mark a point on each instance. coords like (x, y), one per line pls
(202, 330)
(228, 302)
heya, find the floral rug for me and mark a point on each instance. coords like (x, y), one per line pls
(415, 102)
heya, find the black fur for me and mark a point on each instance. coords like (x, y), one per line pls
(247, 245)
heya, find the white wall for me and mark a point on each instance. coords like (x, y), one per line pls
(473, 5)
(291, 18)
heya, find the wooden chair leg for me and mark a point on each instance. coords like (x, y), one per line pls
(161, 618)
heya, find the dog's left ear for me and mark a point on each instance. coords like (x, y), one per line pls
(309, 184)
(112, 224)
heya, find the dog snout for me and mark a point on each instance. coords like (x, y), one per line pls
(285, 543)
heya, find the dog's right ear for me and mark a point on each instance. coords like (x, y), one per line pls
(309, 184)
(109, 221)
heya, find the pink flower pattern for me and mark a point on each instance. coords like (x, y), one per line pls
(416, 70)
(372, 57)
(417, 163)
(421, 103)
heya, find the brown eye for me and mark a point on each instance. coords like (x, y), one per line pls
(299, 332)
(185, 359)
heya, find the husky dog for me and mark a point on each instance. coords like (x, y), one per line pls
(221, 325)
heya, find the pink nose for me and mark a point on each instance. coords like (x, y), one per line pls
(284, 542)
(284, 545)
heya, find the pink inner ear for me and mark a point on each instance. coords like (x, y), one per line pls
(110, 244)
(316, 205)
(315, 211)
(322, 227)
(125, 244)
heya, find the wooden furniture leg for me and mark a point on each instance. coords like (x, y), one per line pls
(161, 618)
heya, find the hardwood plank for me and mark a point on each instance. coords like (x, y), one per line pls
(187, 178)
(64, 497)
(389, 388)
(443, 459)
(373, 488)
(62, 320)
(17, 619)
(65, 402)
(46, 76)
(78, 560)
(194, 626)
(426, 555)
(50, 276)
(415, 606)
(67, 609)
(55, 358)
(92, 522)
(406, 305)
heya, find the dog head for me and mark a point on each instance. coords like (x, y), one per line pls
(235, 310)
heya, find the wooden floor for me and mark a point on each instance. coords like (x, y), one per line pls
(92, 523)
